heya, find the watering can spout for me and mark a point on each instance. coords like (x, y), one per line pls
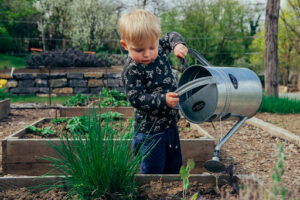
(214, 165)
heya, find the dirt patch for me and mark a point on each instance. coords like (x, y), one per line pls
(186, 131)
(26, 194)
(155, 190)
(173, 190)
(61, 129)
(289, 122)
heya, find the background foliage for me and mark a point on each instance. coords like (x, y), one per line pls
(225, 32)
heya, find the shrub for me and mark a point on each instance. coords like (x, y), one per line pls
(3, 93)
(66, 58)
(116, 59)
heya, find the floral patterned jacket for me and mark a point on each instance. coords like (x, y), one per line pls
(146, 87)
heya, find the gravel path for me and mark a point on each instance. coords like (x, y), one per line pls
(254, 152)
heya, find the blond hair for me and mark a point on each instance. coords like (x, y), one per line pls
(139, 26)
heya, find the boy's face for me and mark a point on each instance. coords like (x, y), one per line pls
(144, 53)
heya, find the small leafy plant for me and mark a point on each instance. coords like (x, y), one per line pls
(78, 124)
(77, 100)
(278, 189)
(59, 120)
(111, 115)
(184, 175)
(113, 98)
(43, 132)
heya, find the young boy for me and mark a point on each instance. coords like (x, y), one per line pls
(149, 85)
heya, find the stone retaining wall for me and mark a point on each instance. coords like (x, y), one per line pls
(62, 83)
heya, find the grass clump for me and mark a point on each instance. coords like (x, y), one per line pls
(36, 99)
(285, 105)
(97, 165)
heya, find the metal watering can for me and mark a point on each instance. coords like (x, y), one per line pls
(208, 93)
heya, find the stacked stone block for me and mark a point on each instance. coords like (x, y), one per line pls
(62, 83)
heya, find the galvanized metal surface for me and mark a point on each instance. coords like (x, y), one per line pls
(238, 92)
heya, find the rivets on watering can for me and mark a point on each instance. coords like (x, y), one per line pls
(176, 147)
(170, 145)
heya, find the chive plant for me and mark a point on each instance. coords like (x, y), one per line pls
(99, 164)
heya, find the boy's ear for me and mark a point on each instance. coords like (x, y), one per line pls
(123, 43)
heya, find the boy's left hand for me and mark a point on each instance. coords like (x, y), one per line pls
(180, 51)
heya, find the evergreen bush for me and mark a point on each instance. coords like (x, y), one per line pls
(66, 58)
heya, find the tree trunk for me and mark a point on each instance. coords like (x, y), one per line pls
(271, 48)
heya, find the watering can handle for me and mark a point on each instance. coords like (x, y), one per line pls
(196, 55)
(196, 83)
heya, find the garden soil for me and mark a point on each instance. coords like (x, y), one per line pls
(253, 150)
(184, 127)
(290, 122)
(157, 190)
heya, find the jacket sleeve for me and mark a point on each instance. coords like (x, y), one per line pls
(135, 92)
(170, 40)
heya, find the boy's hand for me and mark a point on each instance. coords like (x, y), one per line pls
(172, 99)
(180, 51)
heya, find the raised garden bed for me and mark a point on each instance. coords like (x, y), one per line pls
(20, 154)
(4, 108)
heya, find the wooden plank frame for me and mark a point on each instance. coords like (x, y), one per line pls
(13, 182)
(20, 155)
(4, 108)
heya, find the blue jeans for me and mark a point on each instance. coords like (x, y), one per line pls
(164, 157)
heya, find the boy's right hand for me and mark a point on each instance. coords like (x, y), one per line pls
(172, 99)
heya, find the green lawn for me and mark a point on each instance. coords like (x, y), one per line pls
(281, 105)
(35, 99)
(12, 61)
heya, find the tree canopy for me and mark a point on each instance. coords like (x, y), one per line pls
(225, 32)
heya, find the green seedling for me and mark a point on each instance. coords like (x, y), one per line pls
(43, 132)
(111, 115)
(117, 95)
(104, 92)
(78, 124)
(77, 100)
(47, 131)
(34, 129)
(59, 120)
(278, 189)
(113, 98)
(184, 175)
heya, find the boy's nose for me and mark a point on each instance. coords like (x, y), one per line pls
(146, 53)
